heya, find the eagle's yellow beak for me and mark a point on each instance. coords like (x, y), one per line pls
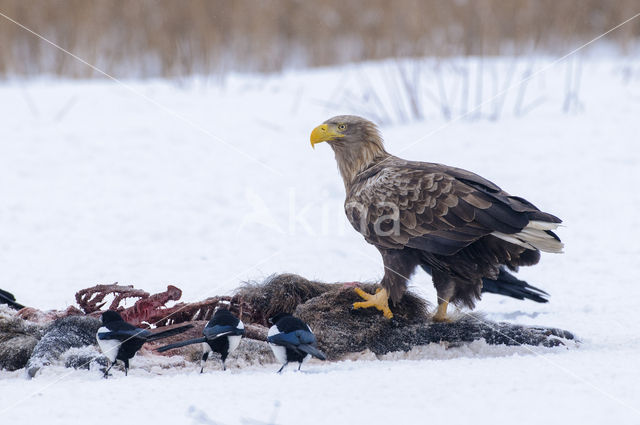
(323, 133)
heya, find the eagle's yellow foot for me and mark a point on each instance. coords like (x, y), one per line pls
(441, 314)
(379, 300)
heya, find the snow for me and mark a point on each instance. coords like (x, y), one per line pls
(98, 185)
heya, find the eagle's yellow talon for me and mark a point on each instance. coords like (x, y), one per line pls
(363, 295)
(441, 314)
(380, 301)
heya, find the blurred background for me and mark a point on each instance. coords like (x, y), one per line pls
(168, 38)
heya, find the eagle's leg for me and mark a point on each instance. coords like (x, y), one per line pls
(445, 288)
(399, 265)
(441, 314)
(379, 300)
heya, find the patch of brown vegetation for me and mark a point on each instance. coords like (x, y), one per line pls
(151, 38)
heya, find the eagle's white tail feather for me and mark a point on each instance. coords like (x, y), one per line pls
(533, 236)
(512, 239)
(542, 225)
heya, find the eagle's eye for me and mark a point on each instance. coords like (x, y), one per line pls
(342, 127)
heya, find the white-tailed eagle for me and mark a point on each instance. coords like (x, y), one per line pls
(457, 225)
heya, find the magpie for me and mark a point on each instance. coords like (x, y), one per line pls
(10, 300)
(120, 340)
(221, 335)
(291, 340)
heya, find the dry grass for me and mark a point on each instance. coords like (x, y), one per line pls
(174, 38)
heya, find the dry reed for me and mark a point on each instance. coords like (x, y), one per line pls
(148, 38)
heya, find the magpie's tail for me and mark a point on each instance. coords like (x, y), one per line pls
(310, 349)
(507, 284)
(9, 299)
(169, 332)
(180, 344)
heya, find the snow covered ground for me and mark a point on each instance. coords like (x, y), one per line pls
(203, 185)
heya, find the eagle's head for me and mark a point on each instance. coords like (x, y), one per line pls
(356, 142)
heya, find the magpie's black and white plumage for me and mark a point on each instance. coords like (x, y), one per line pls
(221, 335)
(120, 340)
(9, 299)
(292, 340)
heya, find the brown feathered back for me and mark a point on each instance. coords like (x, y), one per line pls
(433, 207)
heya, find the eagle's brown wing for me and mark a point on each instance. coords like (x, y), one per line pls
(433, 208)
